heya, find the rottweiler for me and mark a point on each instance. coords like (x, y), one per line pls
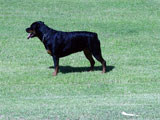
(59, 44)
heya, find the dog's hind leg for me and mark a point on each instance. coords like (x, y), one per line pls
(88, 55)
(96, 51)
(101, 60)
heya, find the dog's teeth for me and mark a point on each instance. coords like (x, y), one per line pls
(29, 35)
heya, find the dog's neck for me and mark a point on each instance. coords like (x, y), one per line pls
(44, 35)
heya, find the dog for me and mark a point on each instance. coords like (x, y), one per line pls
(60, 44)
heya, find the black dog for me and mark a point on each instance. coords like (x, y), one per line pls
(59, 44)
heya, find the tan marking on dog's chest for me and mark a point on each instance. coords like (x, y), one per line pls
(49, 52)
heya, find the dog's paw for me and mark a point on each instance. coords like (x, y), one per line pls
(54, 73)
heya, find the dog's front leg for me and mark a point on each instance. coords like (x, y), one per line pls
(56, 65)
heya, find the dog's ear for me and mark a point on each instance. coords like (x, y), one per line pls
(38, 24)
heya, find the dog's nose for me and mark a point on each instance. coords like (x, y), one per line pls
(27, 29)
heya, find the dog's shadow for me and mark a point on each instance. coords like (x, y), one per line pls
(68, 69)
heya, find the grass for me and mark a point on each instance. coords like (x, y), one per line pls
(129, 35)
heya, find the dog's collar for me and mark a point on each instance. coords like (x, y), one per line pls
(43, 38)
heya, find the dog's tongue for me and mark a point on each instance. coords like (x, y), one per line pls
(29, 35)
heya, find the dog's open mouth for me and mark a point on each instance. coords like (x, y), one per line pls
(30, 35)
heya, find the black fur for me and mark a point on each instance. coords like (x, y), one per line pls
(59, 44)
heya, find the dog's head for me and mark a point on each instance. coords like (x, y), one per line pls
(33, 29)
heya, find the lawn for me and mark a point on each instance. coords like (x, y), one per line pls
(129, 31)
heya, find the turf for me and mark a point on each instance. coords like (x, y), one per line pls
(130, 39)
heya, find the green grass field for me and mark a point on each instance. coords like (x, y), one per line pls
(129, 31)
